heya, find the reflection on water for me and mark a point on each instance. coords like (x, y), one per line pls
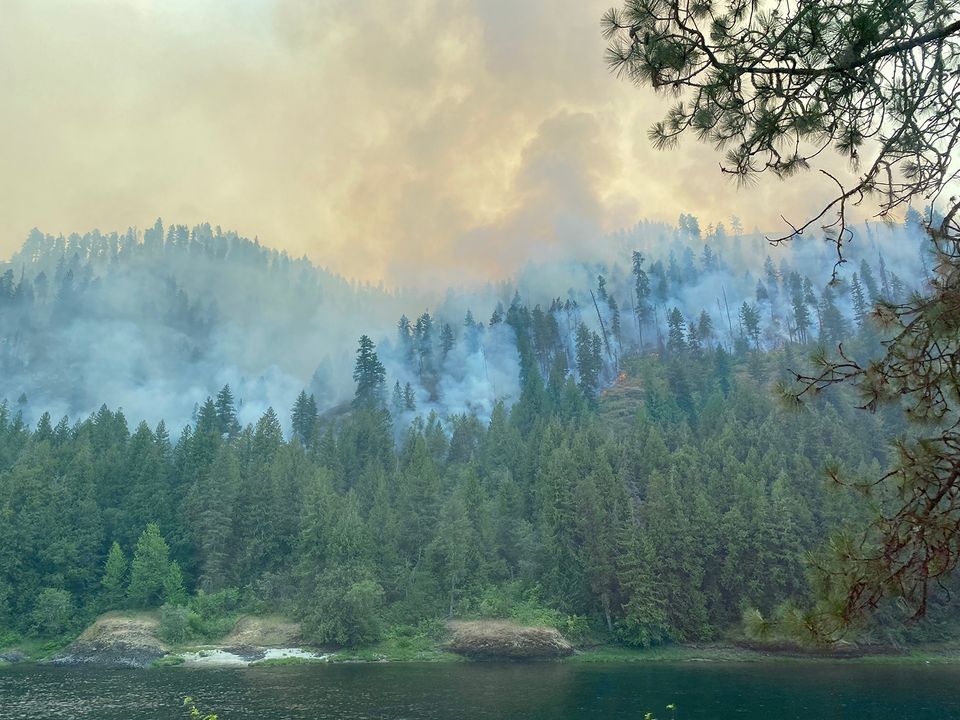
(481, 692)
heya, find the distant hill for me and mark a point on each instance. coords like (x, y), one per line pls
(156, 321)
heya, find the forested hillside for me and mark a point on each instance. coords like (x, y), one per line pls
(633, 476)
(154, 322)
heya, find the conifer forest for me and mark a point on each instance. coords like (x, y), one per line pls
(609, 453)
(480, 359)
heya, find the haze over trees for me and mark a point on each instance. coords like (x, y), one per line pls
(639, 482)
(155, 321)
(877, 83)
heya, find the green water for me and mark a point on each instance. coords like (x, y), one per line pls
(813, 691)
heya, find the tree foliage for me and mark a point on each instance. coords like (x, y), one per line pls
(777, 85)
(878, 83)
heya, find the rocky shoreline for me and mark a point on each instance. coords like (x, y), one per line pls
(116, 640)
(500, 640)
(125, 640)
(130, 640)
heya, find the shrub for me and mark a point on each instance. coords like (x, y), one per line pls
(174, 624)
(215, 605)
(213, 615)
(345, 611)
(53, 611)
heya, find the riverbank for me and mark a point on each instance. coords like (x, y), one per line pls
(945, 654)
(131, 639)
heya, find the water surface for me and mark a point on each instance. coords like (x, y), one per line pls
(789, 690)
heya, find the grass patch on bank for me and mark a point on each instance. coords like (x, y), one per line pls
(404, 643)
(168, 661)
(40, 649)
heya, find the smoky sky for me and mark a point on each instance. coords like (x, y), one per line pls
(418, 142)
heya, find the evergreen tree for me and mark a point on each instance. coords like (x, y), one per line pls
(396, 400)
(641, 291)
(833, 325)
(866, 276)
(643, 620)
(369, 374)
(615, 328)
(447, 341)
(304, 418)
(858, 299)
(589, 362)
(114, 581)
(750, 317)
(150, 569)
(409, 398)
(676, 338)
(226, 413)
(705, 326)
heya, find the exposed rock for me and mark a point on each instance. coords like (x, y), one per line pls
(13, 656)
(264, 632)
(247, 652)
(116, 640)
(501, 640)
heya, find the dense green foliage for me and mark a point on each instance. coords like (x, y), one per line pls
(639, 483)
(780, 86)
(659, 510)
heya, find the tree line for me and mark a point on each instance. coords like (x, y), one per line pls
(656, 510)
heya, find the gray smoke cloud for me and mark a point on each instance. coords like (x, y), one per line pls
(155, 332)
(410, 144)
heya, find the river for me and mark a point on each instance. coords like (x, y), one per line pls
(547, 691)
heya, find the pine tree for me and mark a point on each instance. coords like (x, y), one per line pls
(174, 592)
(369, 374)
(615, 329)
(208, 421)
(423, 343)
(885, 285)
(866, 276)
(405, 338)
(601, 287)
(226, 412)
(676, 337)
(396, 401)
(114, 581)
(801, 313)
(709, 258)
(761, 294)
(588, 361)
(150, 569)
(750, 317)
(693, 340)
(773, 279)
(409, 398)
(898, 290)
(447, 341)
(858, 300)
(833, 325)
(212, 506)
(641, 290)
(643, 621)
(304, 418)
(705, 327)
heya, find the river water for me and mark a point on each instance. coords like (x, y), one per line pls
(548, 691)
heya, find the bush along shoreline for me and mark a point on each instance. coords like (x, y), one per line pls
(145, 639)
